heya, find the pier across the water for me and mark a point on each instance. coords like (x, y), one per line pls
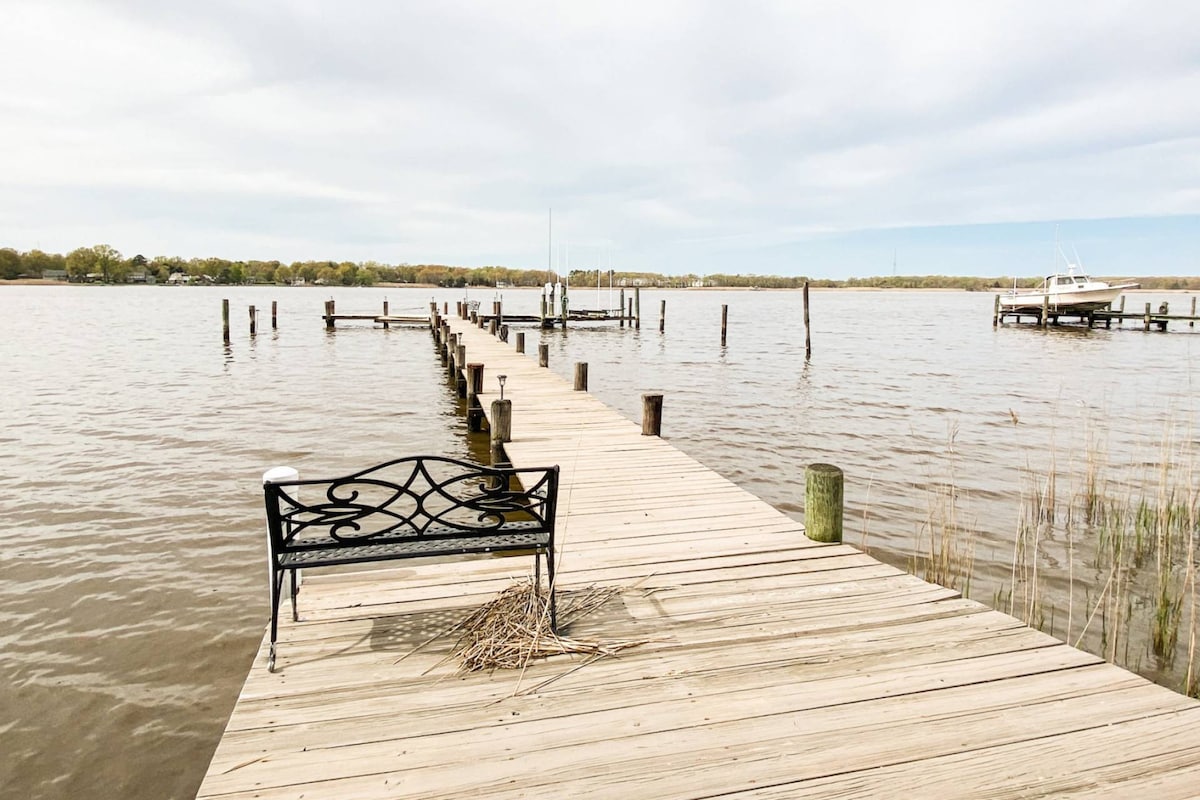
(1049, 314)
(770, 667)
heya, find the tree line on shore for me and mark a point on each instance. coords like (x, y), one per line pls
(104, 264)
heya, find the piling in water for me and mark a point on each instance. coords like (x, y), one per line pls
(807, 331)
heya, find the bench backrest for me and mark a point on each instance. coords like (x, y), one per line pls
(419, 497)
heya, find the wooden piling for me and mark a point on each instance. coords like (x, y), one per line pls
(274, 315)
(493, 326)
(652, 414)
(581, 373)
(1146, 318)
(823, 491)
(520, 341)
(474, 379)
(386, 326)
(996, 312)
(637, 306)
(501, 422)
(474, 387)
(807, 329)
(1192, 323)
(662, 316)
(253, 322)
(622, 312)
(724, 322)
(1046, 310)
(503, 334)
(225, 320)
(543, 355)
(542, 318)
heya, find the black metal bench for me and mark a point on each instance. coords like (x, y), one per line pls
(416, 507)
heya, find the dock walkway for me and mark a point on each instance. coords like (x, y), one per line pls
(774, 667)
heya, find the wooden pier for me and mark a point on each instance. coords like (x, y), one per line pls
(1051, 315)
(386, 319)
(772, 666)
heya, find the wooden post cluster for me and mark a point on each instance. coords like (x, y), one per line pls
(823, 490)
(652, 414)
(581, 372)
(225, 320)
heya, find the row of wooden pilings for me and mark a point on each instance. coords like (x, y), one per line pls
(253, 319)
(823, 493)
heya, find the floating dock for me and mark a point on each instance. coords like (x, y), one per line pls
(771, 666)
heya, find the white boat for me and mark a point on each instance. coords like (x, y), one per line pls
(1065, 292)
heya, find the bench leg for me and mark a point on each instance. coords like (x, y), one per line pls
(276, 591)
(295, 591)
(550, 575)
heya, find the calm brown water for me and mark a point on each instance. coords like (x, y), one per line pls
(132, 576)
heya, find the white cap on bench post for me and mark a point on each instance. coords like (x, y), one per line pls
(280, 475)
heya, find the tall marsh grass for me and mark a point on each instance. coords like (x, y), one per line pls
(1129, 533)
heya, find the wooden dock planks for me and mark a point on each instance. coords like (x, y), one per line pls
(773, 667)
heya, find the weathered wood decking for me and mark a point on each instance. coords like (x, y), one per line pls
(775, 667)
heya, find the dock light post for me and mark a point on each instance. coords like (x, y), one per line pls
(502, 379)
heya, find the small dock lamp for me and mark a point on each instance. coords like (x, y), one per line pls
(502, 379)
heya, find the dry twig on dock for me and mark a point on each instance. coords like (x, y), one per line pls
(514, 628)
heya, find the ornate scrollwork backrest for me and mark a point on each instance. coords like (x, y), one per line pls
(419, 496)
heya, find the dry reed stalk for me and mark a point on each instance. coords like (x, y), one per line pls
(511, 630)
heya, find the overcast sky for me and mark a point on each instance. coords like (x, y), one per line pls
(826, 139)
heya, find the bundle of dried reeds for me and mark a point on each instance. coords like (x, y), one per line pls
(514, 628)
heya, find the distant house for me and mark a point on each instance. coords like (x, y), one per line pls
(54, 274)
(179, 279)
(136, 276)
